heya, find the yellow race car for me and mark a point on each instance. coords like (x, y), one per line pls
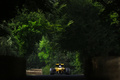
(59, 69)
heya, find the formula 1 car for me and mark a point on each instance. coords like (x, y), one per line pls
(59, 69)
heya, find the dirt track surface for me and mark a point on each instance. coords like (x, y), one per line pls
(56, 77)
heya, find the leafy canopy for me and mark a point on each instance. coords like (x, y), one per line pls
(28, 28)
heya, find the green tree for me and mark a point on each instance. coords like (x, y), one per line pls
(50, 53)
(28, 28)
(8, 44)
(110, 6)
(110, 12)
(88, 34)
(45, 49)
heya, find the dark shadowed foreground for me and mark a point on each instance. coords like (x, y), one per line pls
(56, 77)
(47, 77)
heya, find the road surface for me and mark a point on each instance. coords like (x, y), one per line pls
(56, 77)
(47, 77)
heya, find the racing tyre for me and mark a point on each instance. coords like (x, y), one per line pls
(67, 71)
(51, 71)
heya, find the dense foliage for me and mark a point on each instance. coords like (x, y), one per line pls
(61, 31)
(28, 28)
(8, 45)
(89, 35)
